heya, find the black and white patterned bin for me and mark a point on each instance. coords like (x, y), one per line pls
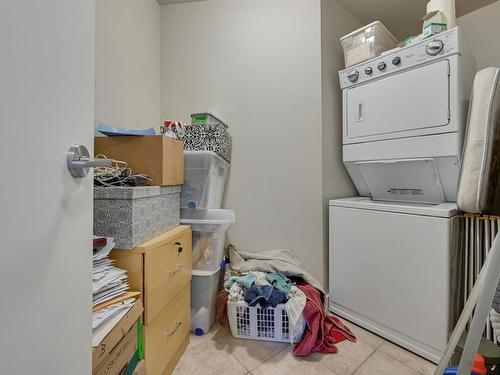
(133, 215)
(208, 137)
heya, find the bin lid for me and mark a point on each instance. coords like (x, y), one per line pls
(211, 115)
(133, 192)
(207, 216)
(196, 272)
(196, 156)
(374, 23)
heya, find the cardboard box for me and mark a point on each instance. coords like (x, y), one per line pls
(128, 322)
(117, 360)
(140, 369)
(433, 17)
(433, 29)
(158, 156)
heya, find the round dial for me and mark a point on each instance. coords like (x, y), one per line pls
(368, 70)
(381, 66)
(353, 75)
(396, 60)
(434, 47)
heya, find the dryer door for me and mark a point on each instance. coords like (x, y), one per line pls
(412, 103)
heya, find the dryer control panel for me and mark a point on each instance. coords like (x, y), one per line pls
(400, 59)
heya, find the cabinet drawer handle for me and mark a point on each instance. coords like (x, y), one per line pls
(178, 267)
(178, 323)
(179, 246)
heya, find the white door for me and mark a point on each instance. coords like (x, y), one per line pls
(405, 104)
(46, 104)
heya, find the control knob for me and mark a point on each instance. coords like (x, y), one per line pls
(381, 66)
(434, 47)
(396, 60)
(353, 75)
(368, 70)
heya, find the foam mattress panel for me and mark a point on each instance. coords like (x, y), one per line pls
(481, 159)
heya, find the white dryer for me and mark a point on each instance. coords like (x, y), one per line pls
(404, 115)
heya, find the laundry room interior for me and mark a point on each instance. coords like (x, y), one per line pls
(270, 187)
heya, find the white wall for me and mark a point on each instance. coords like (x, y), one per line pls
(336, 22)
(482, 29)
(258, 65)
(128, 63)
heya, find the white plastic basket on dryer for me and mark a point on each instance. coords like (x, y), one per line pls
(256, 323)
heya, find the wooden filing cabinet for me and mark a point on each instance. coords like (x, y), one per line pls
(161, 270)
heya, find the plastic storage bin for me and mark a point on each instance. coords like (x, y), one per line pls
(205, 175)
(367, 42)
(206, 118)
(204, 287)
(271, 324)
(209, 235)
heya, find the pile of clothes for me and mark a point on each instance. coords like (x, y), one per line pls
(254, 287)
(272, 277)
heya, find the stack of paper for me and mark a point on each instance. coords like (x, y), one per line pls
(105, 319)
(108, 281)
(110, 299)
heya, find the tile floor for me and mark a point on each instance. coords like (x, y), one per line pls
(218, 353)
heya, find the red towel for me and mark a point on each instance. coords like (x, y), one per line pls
(323, 330)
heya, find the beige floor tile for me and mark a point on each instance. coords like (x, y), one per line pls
(208, 339)
(381, 364)
(208, 359)
(285, 363)
(422, 366)
(364, 335)
(250, 353)
(349, 357)
(219, 353)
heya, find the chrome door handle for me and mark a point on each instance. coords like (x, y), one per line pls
(79, 162)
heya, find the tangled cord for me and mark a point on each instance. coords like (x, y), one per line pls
(118, 174)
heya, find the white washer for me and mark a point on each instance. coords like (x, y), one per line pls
(393, 270)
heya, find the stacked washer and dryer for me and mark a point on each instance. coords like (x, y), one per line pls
(394, 261)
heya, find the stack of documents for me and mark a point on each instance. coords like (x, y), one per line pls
(108, 282)
(105, 319)
(110, 299)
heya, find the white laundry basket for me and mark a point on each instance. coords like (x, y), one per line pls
(209, 235)
(256, 323)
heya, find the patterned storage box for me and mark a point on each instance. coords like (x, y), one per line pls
(208, 137)
(133, 215)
